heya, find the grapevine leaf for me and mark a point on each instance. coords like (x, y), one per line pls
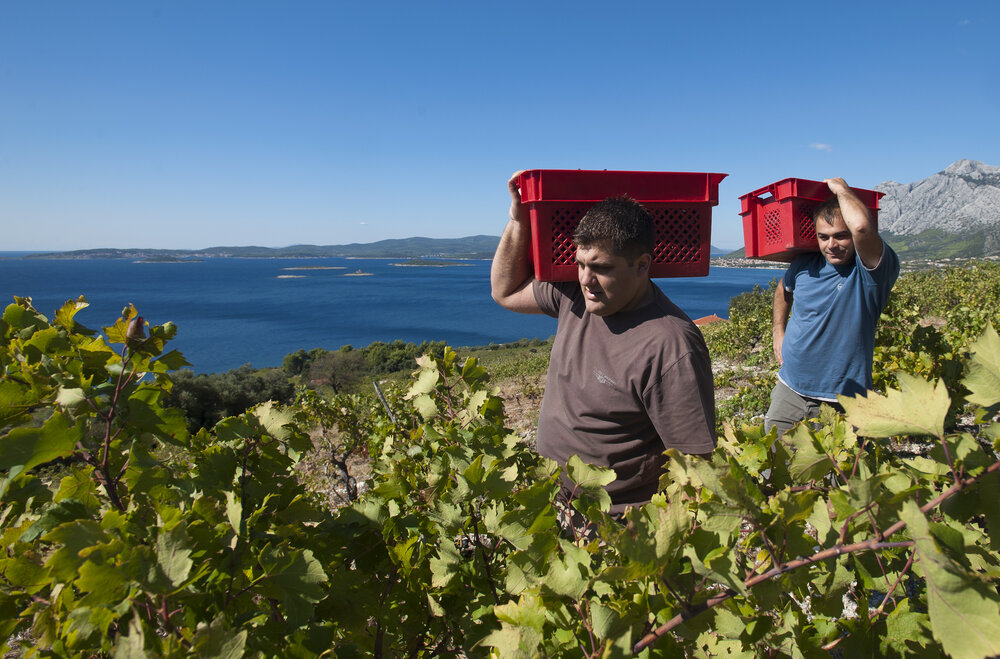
(588, 476)
(23, 573)
(444, 566)
(905, 628)
(568, 575)
(425, 406)
(15, 401)
(296, 581)
(965, 618)
(990, 501)
(29, 447)
(173, 554)
(48, 341)
(917, 408)
(603, 618)
(76, 537)
(54, 516)
(65, 313)
(173, 360)
(427, 378)
(719, 517)
(808, 462)
(219, 642)
(131, 645)
(523, 571)
(274, 420)
(476, 401)
(105, 580)
(820, 519)
(475, 472)
(983, 379)
(528, 611)
(70, 397)
(514, 642)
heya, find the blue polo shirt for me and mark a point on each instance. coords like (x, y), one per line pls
(830, 337)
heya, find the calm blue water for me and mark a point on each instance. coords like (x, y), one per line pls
(231, 312)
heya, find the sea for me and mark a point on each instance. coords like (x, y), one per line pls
(234, 311)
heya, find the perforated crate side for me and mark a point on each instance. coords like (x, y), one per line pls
(680, 232)
(803, 213)
(681, 250)
(772, 224)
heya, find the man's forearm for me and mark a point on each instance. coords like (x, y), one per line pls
(511, 274)
(512, 262)
(780, 309)
(859, 221)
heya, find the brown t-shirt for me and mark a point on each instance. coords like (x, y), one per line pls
(622, 388)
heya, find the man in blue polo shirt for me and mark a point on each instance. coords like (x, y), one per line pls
(825, 348)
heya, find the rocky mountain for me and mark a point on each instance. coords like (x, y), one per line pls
(955, 212)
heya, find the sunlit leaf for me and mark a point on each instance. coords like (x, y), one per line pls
(568, 575)
(427, 378)
(527, 611)
(70, 397)
(917, 408)
(808, 463)
(425, 406)
(65, 315)
(588, 477)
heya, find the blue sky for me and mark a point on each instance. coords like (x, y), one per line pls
(189, 124)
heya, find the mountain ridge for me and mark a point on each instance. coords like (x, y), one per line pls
(470, 247)
(953, 213)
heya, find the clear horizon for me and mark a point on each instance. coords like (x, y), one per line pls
(177, 126)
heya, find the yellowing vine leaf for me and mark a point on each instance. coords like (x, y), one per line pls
(919, 408)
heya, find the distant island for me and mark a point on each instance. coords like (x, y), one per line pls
(168, 259)
(429, 263)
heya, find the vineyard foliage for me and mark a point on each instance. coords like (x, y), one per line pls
(871, 533)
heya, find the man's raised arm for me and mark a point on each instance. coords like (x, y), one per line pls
(858, 219)
(511, 274)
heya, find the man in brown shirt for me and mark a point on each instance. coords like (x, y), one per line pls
(629, 374)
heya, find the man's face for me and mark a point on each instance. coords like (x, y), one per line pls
(610, 284)
(835, 240)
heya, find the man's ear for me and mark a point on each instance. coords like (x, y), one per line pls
(644, 262)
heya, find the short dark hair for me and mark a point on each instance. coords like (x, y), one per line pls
(826, 210)
(622, 223)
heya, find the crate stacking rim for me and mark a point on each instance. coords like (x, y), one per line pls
(679, 202)
(777, 219)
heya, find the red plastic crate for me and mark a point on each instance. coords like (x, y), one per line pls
(777, 219)
(680, 203)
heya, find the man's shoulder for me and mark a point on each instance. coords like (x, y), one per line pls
(807, 262)
(670, 325)
(552, 295)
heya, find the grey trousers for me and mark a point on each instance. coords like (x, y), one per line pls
(788, 408)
